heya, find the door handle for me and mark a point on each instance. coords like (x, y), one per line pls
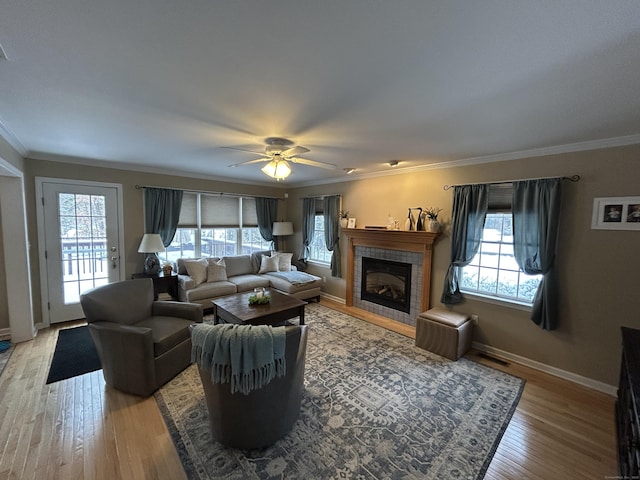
(113, 262)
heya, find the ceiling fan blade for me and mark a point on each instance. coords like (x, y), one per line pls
(249, 162)
(262, 154)
(293, 151)
(312, 163)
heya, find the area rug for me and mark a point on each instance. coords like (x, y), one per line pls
(75, 354)
(375, 407)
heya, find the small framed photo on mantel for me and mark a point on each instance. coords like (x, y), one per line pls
(616, 213)
(351, 223)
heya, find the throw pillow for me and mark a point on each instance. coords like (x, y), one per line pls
(284, 261)
(216, 271)
(268, 264)
(197, 269)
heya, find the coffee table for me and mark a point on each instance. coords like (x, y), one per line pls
(236, 309)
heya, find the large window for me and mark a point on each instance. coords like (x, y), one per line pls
(215, 226)
(319, 252)
(493, 271)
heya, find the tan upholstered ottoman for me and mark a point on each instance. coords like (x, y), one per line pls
(444, 332)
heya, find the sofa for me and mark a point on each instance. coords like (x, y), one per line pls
(200, 280)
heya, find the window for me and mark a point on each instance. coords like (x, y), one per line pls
(215, 226)
(493, 271)
(319, 252)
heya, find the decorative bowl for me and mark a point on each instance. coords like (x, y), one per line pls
(255, 300)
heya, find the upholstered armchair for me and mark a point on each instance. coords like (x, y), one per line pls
(264, 415)
(141, 343)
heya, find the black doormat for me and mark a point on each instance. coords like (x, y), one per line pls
(75, 354)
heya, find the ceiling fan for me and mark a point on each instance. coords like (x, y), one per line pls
(278, 152)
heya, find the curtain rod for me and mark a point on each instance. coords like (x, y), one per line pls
(140, 187)
(572, 178)
(322, 196)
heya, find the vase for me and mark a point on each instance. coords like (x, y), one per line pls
(419, 222)
(433, 226)
(343, 222)
(408, 224)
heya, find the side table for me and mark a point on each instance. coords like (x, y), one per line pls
(162, 283)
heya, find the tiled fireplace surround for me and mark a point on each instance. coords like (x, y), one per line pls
(414, 248)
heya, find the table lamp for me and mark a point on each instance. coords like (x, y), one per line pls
(151, 244)
(281, 229)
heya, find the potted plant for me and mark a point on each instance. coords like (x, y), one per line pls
(432, 214)
(344, 218)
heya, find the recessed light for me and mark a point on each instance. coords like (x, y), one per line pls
(349, 170)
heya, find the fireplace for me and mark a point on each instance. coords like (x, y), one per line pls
(386, 283)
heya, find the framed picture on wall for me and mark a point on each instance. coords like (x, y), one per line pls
(351, 223)
(616, 213)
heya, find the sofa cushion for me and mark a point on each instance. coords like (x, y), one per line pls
(210, 290)
(166, 332)
(287, 287)
(181, 269)
(256, 259)
(238, 265)
(268, 264)
(284, 261)
(216, 271)
(197, 269)
(244, 283)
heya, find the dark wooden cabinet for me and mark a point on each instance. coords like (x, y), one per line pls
(627, 420)
(162, 283)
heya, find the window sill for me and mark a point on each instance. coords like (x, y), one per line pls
(320, 263)
(498, 301)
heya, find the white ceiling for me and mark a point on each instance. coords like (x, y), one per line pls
(165, 84)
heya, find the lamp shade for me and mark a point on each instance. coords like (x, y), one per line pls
(278, 169)
(282, 228)
(151, 243)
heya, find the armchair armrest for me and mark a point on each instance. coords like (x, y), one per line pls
(126, 355)
(190, 311)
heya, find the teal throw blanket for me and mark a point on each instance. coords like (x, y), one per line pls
(246, 356)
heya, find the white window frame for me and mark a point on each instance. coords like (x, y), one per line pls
(198, 237)
(318, 239)
(488, 243)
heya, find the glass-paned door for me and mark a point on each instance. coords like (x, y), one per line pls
(82, 250)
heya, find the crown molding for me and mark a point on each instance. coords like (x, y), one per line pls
(12, 139)
(143, 168)
(501, 157)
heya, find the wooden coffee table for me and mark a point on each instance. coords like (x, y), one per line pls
(236, 309)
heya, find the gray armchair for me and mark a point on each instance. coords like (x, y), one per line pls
(265, 415)
(141, 343)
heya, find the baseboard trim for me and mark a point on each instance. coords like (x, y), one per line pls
(5, 333)
(556, 372)
(333, 298)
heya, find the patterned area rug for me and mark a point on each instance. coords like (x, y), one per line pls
(375, 407)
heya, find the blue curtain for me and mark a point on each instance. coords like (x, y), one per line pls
(308, 229)
(162, 212)
(267, 212)
(331, 207)
(536, 215)
(470, 204)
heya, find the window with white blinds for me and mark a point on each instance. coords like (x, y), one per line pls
(216, 225)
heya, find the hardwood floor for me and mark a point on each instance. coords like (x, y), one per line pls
(80, 429)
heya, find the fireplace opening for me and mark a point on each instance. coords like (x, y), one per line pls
(386, 283)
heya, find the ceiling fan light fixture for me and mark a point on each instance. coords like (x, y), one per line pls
(393, 163)
(278, 169)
